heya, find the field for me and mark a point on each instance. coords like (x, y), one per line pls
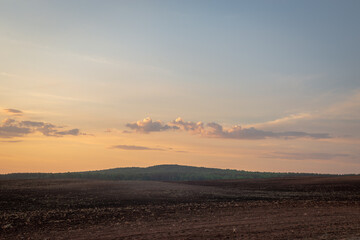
(275, 208)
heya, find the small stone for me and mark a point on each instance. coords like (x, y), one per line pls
(7, 226)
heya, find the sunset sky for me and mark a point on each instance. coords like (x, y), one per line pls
(250, 85)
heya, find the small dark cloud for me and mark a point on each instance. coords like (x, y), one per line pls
(34, 124)
(307, 156)
(11, 141)
(133, 147)
(12, 111)
(74, 132)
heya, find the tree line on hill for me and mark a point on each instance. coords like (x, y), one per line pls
(157, 173)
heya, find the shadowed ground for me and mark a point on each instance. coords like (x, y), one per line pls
(278, 208)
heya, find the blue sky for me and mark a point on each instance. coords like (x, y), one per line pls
(99, 65)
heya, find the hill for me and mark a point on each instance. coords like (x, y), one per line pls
(156, 173)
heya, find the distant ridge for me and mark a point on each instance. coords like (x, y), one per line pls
(157, 173)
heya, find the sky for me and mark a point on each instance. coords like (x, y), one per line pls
(248, 85)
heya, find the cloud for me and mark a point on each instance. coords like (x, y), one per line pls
(216, 130)
(10, 75)
(285, 120)
(340, 119)
(11, 111)
(348, 109)
(49, 129)
(237, 132)
(74, 132)
(147, 125)
(36, 124)
(133, 147)
(12, 128)
(307, 156)
(179, 123)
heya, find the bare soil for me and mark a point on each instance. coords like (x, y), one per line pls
(279, 208)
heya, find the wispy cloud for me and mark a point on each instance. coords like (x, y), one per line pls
(133, 147)
(11, 141)
(14, 112)
(141, 148)
(306, 156)
(346, 109)
(9, 75)
(216, 130)
(284, 120)
(340, 119)
(58, 97)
